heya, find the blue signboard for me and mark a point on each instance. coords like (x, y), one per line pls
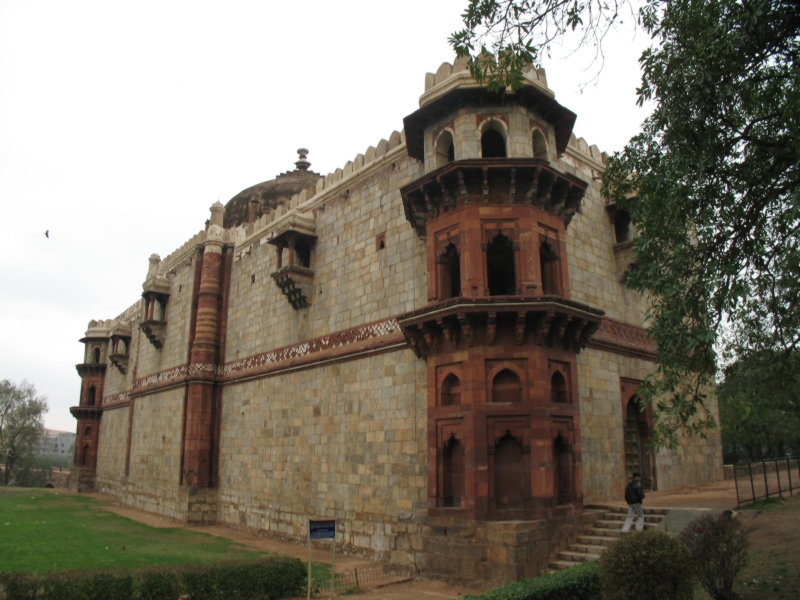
(322, 530)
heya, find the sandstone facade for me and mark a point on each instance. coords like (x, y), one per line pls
(435, 337)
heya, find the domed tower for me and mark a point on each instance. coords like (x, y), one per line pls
(250, 204)
(88, 412)
(500, 333)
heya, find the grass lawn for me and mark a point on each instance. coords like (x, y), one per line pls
(43, 529)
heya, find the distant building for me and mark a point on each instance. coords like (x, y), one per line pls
(55, 443)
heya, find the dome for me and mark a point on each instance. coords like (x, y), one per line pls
(270, 194)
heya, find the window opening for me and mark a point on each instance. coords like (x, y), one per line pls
(91, 399)
(302, 253)
(445, 149)
(96, 355)
(493, 144)
(500, 266)
(506, 387)
(451, 390)
(451, 263)
(549, 264)
(85, 455)
(508, 473)
(539, 145)
(452, 474)
(87, 431)
(622, 225)
(558, 388)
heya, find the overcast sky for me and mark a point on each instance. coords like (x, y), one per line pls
(122, 122)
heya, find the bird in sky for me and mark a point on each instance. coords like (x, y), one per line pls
(47, 234)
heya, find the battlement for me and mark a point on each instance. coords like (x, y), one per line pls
(450, 76)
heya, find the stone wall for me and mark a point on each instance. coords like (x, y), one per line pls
(354, 282)
(344, 441)
(112, 451)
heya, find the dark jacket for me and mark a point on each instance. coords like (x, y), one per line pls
(634, 494)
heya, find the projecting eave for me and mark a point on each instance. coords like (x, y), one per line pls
(530, 96)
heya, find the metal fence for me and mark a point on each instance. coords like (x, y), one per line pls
(766, 479)
(359, 577)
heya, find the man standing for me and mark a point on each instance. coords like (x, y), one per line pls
(634, 494)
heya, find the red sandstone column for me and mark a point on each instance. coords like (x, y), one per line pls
(203, 360)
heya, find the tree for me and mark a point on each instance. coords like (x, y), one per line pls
(21, 423)
(759, 405)
(711, 183)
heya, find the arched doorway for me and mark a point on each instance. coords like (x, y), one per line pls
(500, 266)
(562, 470)
(452, 474)
(637, 458)
(508, 473)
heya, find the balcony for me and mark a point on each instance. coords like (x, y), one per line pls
(492, 182)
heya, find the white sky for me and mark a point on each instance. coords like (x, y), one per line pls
(121, 122)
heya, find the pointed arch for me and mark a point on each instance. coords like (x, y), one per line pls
(493, 139)
(500, 268)
(96, 354)
(450, 282)
(558, 388)
(452, 473)
(451, 390)
(508, 473)
(540, 145)
(445, 150)
(90, 400)
(506, 387)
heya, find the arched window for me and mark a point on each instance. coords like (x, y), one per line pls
(90, 400)
(452, 474)
(549, 264)
(558, 388)
(85, 455)
(445, 149)
(500, 266)
(451, 273)
(622, 226)
(506, 387)
(562, 470)
(87, 431)
(96, 355)
(508, 473)
(539, 145)
(493, 142)
(451, 390)
(302, 254)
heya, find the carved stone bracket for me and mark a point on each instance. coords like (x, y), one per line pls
(482, 181)
(550, 320)
(156, 332)
(120, 361)
(295, 282)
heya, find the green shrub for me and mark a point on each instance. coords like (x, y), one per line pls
(650, 564)
(576, 583)
(718, 547)
(271, 579)
(159, 584)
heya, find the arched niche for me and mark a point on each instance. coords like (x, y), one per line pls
(506, 387)
(548, 260)
(87, 431)
(452, 473)
(450, 280)
(91, 397)
(558, 388)
(493, 139)
(96, 355)
(445, 150)
(540, 145)
(509, 472)
(451, 390)
(85, 455)
(500, 268)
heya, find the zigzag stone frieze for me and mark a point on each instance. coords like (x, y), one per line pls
(327, 342)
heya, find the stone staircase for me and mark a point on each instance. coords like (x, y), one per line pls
(606, 529)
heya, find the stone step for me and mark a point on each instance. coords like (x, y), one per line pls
(622, 516)
(586, 548)
(603, 531)
(560, 565)
(624, 509)
(602, 524)
(596, 540)
(577, 557)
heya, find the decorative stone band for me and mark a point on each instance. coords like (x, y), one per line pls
(622, 338)
(381, 335)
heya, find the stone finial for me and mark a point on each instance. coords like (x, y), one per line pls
(302, 164)
(155, 260)
(217, 212)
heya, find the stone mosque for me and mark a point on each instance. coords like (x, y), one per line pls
(433, 345)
